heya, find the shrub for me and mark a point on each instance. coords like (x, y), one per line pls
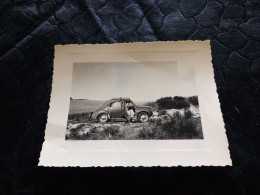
(111, 130)
(180, 103)
(158, 122)
(155, 121)
(193, 100)
(187, 129)
(151, 121)
(187, 114)
(180, 127)
(142, 133)
(93, 130)
(162, 112)
(168, 103)
(165, 103)
(169, 128)
(145, 133)
(178, 98)
(73, 135)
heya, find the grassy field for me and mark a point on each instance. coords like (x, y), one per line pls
(84, 106)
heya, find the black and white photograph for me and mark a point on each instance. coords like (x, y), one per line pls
(133, 101)
(134, 104)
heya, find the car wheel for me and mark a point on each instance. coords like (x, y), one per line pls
(103, 118)
(143, 117)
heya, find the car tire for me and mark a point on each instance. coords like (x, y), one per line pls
(143, 117)
(103, 118)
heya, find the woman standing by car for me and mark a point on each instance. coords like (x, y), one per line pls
(129, 112)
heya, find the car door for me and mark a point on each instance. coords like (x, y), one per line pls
(116, 109)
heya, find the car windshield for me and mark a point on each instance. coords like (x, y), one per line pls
(105, 104)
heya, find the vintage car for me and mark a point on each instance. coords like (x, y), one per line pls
(115, 109)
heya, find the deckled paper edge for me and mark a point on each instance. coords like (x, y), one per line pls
(154, 166)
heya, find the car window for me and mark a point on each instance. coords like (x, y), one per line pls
(129, 104)
(116, 105)
(105, 104)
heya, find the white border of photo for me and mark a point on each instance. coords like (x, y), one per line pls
(210, 151)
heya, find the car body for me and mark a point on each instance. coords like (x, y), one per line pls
(115, 109)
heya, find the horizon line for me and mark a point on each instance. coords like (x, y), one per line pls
(130, 98)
